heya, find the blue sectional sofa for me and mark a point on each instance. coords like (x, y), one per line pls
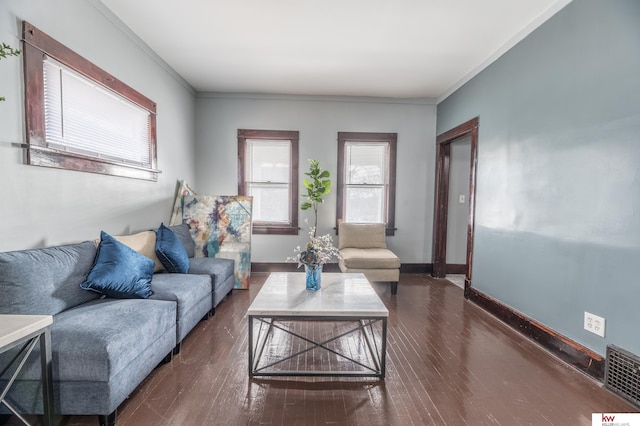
(102, 347)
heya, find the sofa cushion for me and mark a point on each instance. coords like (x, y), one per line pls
(362, 235)
(119, 271)
(145, 244)
(191, 293)
(45, 281)
(171, 252)
(184, 235)
(375, 258)
(219, 269)
(95, 341)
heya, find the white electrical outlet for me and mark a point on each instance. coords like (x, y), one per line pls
(594, 324)
(461, 198)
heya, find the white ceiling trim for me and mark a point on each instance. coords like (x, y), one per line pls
(317, 98)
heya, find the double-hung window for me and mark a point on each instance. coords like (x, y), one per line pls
(366, 178)
(268, 171)
(81, 118)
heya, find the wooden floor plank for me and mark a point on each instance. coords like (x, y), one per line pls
(448, 363)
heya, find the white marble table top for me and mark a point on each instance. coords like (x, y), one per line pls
(15, 327)
(340, 295)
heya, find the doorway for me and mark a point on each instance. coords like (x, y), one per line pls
(443, 213)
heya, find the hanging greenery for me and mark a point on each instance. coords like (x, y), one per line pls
(5, 51)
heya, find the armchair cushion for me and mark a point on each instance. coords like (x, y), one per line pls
(361, 235)
(375, 258)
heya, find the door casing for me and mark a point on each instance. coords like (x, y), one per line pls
(441, 205)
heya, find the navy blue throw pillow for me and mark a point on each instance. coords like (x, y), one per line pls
(119, 271)
(170, 251)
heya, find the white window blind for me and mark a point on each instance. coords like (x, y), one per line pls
(366, 179)
(267, 179)
(84, 118)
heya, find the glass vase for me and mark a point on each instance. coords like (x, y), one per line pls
(313, 277)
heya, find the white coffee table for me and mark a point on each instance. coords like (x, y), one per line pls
(284, 301)
(27, 330)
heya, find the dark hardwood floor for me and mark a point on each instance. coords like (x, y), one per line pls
(448, 363)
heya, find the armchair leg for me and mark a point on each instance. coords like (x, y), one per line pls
(394, 287)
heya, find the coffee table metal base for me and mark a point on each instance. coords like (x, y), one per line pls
(28, 331)
(376, 343)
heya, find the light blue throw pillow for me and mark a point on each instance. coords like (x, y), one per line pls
(171, 252)
(119, 271)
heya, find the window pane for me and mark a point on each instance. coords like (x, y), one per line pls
(364, 204)
(82, 117)
(366, 178)
(268, 161)
(268, 179)
(268, 171)
(270, 202)
(365, 163)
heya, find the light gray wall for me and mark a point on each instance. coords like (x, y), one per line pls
(558, 199)
(319, 119)
(458, 213)
(45, 206)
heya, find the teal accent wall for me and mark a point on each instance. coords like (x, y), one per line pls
(558, 183)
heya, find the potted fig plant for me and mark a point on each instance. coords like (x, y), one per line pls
(319, 249)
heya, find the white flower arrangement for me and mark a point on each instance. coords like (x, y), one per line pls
(318, 251)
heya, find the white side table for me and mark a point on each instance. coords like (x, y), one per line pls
(27, 330)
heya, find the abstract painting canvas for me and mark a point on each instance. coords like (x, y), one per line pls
(221, 227)
(178, 206)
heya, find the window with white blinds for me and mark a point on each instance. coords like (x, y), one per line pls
(268, 171)
(366, 178)
(79, 117)
(82, 117)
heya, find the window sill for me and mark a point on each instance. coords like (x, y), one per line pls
(274, 230)
(389, 232)
(45, 157)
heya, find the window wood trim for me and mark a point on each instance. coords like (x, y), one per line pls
(286, 135)
(392, 140)
(37, 46)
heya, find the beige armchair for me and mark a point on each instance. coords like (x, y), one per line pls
(363, 248)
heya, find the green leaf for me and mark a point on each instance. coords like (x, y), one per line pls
(317, 185)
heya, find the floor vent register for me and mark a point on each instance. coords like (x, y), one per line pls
(622, 373)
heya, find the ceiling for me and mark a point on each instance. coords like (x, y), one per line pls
(379, 48)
